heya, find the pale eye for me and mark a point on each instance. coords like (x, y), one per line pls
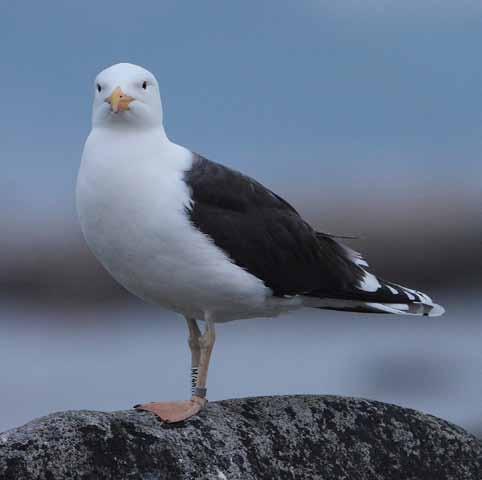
(144, 85)
(99, 88)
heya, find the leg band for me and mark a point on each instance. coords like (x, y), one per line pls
(194, 375)
(199, 392)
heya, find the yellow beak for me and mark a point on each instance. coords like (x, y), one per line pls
(119, 101)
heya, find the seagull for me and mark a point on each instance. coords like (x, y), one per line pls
(203, 240)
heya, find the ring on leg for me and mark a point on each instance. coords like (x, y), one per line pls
(206, 343)
(199, 392)
(194, 335)
(194, 377)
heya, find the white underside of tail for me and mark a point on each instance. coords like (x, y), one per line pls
(416, 308)
(428, 309)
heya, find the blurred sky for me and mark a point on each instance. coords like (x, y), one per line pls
(357, 99)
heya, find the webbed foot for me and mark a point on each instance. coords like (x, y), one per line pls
(172, 412)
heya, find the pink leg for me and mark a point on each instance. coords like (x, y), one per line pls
(201, 347)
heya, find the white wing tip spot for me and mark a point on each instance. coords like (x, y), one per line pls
(370, 283)
(393, 290)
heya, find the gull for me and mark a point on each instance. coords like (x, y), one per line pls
(203, 240)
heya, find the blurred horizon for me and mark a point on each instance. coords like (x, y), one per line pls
(365, 116)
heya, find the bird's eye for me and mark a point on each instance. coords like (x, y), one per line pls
(144, 85)
(99, 88)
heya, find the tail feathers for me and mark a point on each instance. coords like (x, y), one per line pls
(360, 306)
(406, 300)
(370, 294)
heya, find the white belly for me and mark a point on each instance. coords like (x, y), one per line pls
(132, 212)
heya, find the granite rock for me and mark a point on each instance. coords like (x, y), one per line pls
(289, 437)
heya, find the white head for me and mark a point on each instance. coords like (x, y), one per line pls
(126, 96)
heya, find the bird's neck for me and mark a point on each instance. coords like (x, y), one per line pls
(129, 131)
(112, 145)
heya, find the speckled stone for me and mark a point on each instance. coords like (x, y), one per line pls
(275, 438)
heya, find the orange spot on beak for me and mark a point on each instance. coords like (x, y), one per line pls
(119, 101)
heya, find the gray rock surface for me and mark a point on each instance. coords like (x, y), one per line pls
(295, 437)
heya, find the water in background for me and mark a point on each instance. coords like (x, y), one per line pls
(112, 357)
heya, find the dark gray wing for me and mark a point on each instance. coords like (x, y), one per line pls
(265, 235)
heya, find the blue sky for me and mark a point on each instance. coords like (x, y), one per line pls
(312, 96)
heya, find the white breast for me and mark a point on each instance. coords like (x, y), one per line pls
(131, 199)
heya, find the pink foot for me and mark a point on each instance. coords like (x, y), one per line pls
(172, 412)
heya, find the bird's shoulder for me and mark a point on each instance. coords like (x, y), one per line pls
(217, 185)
